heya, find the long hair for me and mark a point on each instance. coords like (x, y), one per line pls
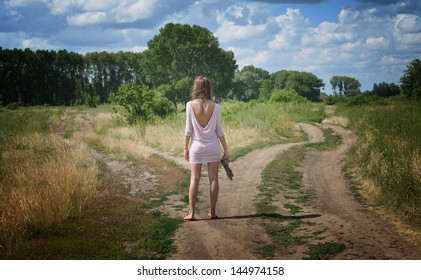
(202, 88)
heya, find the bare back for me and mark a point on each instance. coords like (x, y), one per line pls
(203, 111)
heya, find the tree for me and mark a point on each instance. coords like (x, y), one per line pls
(385, 90)
(265, 90)
(64, 78)
(247, 83)
(411, 80)
(347, 86)
(305, 84)
(182, 51)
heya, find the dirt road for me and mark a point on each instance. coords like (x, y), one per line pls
(333, 210)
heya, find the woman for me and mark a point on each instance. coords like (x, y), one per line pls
(201, 145)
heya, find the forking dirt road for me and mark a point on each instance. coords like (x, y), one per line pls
(333, 210)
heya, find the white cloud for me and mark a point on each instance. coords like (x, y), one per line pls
(88, 18)
(292, 25)
(407, 24)
(407, 30)
(257, 58)
(58, 7)
(95, 5)
(393, 60)
(348, 17)
(236, 11)
(22, 3)
(36, 43)
(351, 46)
(130, 11)
(122, 11)
(327, 33)
(228, 30)
(377, 43)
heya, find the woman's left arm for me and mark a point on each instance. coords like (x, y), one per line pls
(187, 147)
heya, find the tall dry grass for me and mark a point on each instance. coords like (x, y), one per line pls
(44, 181)
(244, 124)
(388, 155)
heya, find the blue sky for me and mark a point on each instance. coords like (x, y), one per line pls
(371, 40)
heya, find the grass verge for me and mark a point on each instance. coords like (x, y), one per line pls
(387, 156)
(108, 223)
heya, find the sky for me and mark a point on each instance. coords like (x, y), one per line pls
(371, 40)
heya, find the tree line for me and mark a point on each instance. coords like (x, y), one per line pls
(64, 78)
(168, 66)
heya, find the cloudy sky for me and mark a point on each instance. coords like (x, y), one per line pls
(371, 40)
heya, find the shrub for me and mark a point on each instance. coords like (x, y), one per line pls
(287, 95)
(141, 103)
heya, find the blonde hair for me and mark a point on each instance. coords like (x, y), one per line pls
(202, 88)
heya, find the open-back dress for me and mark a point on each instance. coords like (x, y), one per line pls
(204, 144)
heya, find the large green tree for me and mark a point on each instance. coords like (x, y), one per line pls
(385, 90)
(411, 80)
(247, 83)
(344, 85)
(183, 52)
(106, 71)
(305, 84)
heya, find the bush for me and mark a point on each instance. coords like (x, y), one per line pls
(286, 96)
(13, 106)
(141, 103)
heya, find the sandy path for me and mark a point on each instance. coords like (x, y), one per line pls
(232, 235)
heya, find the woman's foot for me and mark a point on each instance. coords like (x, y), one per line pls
(214, 216)
(189, 217)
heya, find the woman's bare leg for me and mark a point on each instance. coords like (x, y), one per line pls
(214, 187)
(196, 170)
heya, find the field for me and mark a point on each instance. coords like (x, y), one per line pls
(69, 174)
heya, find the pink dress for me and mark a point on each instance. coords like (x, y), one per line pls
(204, 144)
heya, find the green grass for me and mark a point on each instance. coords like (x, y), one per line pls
(279, 175)
(324, 251)
(111, 225)
(388, 155)
(283, 234)
(24, 121)
(266, 251)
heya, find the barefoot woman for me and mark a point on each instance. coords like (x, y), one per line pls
(202, 136)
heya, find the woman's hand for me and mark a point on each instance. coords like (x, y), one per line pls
(226, 156)
(187, 154)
